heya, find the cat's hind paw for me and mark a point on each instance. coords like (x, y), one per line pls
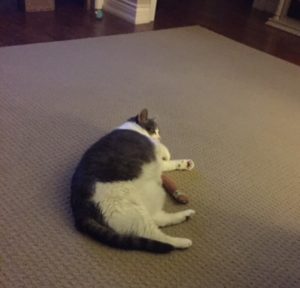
(188, 213)
(182, 243)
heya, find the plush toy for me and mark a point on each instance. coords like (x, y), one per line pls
(170, 187)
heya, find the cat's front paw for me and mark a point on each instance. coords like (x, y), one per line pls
(190, 164)
(186, 164)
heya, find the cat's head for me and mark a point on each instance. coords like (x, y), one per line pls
(148, 124)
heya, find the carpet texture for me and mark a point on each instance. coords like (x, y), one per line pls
(234, 110)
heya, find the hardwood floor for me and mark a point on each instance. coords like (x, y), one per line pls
(235, 19)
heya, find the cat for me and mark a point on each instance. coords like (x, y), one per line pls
(117, 196)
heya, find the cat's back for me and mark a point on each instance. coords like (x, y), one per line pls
(118, 156)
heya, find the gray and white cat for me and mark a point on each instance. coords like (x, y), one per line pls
(116, 191)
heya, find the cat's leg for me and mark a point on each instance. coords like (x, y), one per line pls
(163, 152)
(183, 164)
(168, 164)
(177, 242)
(135, 220)
(163, 218)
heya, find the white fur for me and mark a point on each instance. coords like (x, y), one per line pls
(136, 207)
(135, 127)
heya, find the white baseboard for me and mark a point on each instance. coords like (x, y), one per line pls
(286, 24)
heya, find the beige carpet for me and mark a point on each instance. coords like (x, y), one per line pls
(234, 110)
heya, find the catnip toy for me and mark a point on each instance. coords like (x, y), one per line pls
(170, 187)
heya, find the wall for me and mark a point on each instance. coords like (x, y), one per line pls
(266, 5)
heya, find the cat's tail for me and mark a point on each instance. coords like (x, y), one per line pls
(109, 237)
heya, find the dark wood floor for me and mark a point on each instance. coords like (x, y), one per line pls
(235, 19)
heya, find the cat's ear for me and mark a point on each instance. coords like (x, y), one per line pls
(143, 116)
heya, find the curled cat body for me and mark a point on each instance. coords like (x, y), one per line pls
(117, 196)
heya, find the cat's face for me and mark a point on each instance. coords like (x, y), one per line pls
(147, 124)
